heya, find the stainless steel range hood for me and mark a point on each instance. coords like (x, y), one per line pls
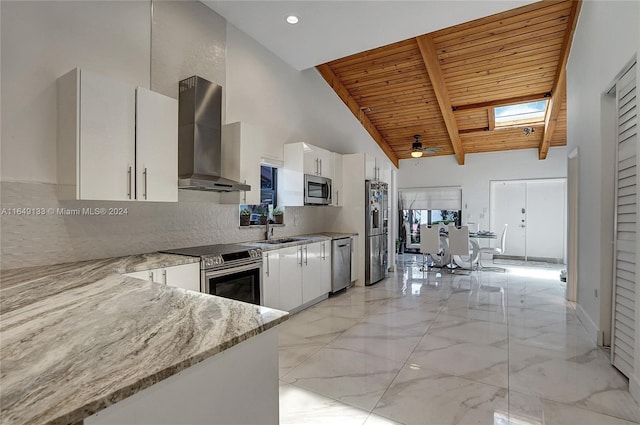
(200, 138)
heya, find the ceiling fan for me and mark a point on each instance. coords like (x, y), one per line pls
(417, 150)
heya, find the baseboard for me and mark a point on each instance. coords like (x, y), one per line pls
(590, 326)
(536, 259)
(634, 387)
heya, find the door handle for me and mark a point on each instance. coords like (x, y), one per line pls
(129, 182)
(144, 173)
(267, 264)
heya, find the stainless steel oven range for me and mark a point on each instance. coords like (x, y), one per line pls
(230, 271)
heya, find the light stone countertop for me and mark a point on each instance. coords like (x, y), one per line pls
(298, 240)
(78, 337)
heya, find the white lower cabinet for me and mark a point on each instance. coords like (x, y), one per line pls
(290, 278)
(186, 276)
(296, 275)
(271, 279)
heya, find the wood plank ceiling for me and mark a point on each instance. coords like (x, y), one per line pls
(444, 85)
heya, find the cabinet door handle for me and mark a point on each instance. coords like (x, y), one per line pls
(320, 166)
(164, 276)
(337, 197)
(324, 255)
(129, 182)
(144, 173)
(299, 251)
(306, 256)
(267, 264)
(244, 199)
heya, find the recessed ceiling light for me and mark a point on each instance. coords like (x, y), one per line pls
(293, 19)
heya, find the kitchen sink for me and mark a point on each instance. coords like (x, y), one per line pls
(281, 240)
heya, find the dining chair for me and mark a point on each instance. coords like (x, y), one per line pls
(459, 242)
(429, 244)
(494, 250)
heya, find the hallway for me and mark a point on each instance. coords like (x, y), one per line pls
(435, 348)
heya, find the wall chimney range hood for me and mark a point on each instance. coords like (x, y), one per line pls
(200, 138)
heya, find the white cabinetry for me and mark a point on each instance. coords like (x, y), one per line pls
(242, 146)
(100, 140)
(186, 276)
(316, 161)
(316, 278)
(337, 195)
(271, 279)
(376, 169)
(156, 147)
(354, 258)
(297, 275)
(301, 159)
(290, 278)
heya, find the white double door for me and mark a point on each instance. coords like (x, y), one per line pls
(535, 211)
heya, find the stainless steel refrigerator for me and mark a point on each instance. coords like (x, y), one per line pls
(376, 231)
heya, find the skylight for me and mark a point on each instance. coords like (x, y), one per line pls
(520, 114)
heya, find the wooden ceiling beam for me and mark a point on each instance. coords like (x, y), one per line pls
(559, 89)
(354, 107)
(503, 102)
(430, 57)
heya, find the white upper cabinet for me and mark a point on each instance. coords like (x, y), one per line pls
(317, 161)
(376, 169)
(97, 143)
(300, 159)
(242, 148)
(156, 146)
(337, 195)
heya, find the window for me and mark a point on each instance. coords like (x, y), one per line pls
(251, 215)
(520, 114)
(268, 185)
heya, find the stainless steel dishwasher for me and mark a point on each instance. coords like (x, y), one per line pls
(340, 264)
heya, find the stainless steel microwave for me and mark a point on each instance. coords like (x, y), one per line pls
(317, 190)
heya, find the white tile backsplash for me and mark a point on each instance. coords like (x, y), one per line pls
(197, 219)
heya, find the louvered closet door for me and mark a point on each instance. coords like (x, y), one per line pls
(623, 341)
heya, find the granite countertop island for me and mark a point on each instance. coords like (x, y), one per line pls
(79, 337)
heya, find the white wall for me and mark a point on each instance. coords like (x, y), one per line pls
(289, 105)
(606, 39)
(479, 170)
(43, 40)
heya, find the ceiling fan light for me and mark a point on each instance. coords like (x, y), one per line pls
(416, 147)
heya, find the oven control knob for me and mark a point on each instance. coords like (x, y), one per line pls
(255, 253)
(213, 261)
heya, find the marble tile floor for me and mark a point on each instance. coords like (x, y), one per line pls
(434, 348)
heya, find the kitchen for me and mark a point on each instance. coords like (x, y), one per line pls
(294, 106)
(155, 56)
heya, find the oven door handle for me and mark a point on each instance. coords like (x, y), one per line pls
(225, 272)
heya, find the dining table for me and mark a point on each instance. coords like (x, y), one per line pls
(444, 258)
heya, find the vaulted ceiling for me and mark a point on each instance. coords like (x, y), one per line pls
(445, 85)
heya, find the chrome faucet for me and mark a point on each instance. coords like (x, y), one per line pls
(267, 234)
